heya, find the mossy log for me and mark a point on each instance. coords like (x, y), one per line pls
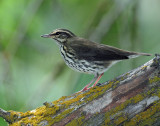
(131, 99)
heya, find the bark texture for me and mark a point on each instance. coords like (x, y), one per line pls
(130, 99)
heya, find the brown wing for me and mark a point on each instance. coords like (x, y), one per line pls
(91, 51)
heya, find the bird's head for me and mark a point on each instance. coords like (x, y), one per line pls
(60, 35)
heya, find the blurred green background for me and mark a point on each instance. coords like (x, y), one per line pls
(32, 70)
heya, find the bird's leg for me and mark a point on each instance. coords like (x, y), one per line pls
(86, 87)
(98, 79)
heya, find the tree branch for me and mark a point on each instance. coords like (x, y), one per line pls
(130, 99)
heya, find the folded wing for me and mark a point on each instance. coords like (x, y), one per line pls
(97, 52)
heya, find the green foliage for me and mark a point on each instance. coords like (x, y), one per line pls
(31, 68)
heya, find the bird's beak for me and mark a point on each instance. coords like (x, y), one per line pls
(47, 36)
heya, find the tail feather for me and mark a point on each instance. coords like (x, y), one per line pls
(134, 55)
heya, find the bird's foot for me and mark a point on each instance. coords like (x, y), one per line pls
(85, 89)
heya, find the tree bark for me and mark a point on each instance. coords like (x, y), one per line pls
(130, 99)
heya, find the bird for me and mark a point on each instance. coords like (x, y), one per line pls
(86, 56)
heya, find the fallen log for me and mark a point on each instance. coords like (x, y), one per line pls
(130, 99)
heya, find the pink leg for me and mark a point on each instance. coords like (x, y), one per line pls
(86, 87)
(98, 79)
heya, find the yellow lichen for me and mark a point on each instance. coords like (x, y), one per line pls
(76, 122)
(144, 67)
(117, 111)
(120, 120)
(64, 104)
(155, 79)
(144, 116)
(14, 116)
(60, 116)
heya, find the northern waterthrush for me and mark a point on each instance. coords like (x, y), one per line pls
(86, 56)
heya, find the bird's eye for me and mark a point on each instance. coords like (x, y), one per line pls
(57, 33)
